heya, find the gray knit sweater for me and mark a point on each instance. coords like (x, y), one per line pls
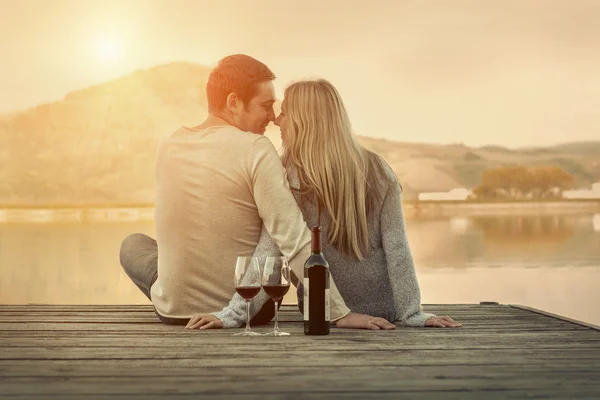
(383, 285)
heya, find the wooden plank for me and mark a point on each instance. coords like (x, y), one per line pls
(416, 341)
(425, 337)
(294, 380)
(94, 352)
(175, 333)
(416, 372)
(225, 350)
(555, 316)
(152, 322)
(582, 393)
(140, 368)
(170, 330)
(141, 327)
(244, 355)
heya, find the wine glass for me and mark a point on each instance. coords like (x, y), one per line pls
(276, 282)
(247, 284)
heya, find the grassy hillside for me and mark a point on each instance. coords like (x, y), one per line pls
(97, 146)
(425, 167)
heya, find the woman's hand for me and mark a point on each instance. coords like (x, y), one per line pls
(363, 321)
(204, 321)
(442, 322)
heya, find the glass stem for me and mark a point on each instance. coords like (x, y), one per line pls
(248, 316)
(276, 329)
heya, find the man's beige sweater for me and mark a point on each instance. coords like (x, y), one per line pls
(216, 188)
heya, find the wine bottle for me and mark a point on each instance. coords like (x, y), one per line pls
(316, 289)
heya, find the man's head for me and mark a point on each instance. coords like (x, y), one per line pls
(240, 90)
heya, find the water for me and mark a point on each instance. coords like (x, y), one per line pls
(549, 262)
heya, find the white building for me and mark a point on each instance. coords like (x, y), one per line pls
(593, 193)
(452, 195)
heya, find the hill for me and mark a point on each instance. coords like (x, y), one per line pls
(427, 167)
(97, 145)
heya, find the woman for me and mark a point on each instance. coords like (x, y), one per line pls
(360, 210)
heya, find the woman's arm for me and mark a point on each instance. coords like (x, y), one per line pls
(401, 268)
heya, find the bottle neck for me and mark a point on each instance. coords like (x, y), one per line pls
(316, 240)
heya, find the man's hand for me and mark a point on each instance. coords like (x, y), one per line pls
(442, 322)
(363, 321)
(204, 321)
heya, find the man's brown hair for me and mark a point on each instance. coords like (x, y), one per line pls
(239, 74)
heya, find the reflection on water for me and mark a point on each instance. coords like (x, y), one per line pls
(524, 241)
(66, 263)
(541, 228)
(551, 262)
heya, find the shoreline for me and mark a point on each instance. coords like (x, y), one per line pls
(468, 208)
(412, 209)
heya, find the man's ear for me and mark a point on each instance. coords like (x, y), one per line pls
(233, 102)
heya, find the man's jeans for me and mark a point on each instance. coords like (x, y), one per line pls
(139, 259)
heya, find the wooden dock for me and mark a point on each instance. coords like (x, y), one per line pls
(124, 352)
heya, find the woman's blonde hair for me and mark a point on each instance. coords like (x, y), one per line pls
(332, 166)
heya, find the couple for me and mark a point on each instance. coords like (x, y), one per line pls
(223, 192)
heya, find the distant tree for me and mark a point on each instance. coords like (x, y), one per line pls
(552, 176)
(515, 182)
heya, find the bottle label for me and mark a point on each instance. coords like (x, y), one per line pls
(306, 299)
(327, 318)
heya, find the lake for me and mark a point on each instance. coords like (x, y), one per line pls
(549, 262)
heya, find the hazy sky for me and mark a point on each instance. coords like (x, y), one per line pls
(508, 72)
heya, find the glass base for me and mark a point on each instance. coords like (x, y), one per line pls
(276, 333)
(247, 333)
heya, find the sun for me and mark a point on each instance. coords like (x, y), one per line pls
(107, 50)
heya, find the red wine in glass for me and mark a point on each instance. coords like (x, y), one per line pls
(247, 292)
(276, 292)
(276, 282)
(247, 283)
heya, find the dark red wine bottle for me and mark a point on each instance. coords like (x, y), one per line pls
(316, 289)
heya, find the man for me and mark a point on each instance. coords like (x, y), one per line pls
(217, 184)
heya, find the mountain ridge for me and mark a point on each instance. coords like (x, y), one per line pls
(97, 145)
